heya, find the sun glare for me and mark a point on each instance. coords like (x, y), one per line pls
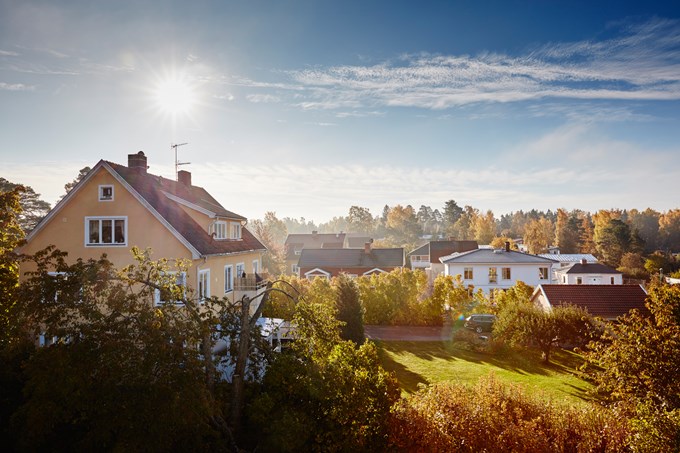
(175, 97)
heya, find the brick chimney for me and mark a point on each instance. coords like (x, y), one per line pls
(137, 161)
(367, 248)
(507, 246)
(584, 261)
(184, 177)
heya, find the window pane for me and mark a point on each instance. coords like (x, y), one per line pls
(120, 231)
(94, 231)
(107, 231)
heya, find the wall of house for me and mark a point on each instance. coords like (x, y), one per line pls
(335, 271)
(590, 279)
(527, 273)
(66, 229)
(217, 264)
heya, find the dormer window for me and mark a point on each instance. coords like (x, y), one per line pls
(235, 231)
(219, 230)
(106, 193)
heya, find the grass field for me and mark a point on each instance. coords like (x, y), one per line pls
(416, 362)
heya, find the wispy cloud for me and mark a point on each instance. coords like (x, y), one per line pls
(8, 53)
(642, 63)
(16, 87)
(261, 98)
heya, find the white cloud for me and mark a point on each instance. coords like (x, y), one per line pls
(8, 53)
(260, 98)
(16, 87)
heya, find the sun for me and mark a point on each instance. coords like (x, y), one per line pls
(175, 96)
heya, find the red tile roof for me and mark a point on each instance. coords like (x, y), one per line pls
(153, 188)
(605, 301)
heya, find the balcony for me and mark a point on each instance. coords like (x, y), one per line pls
(251, 282)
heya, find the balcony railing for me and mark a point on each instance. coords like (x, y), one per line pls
(251, 282)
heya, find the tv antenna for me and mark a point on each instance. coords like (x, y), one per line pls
(177, 162)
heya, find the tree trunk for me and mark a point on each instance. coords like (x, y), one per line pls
(238, 379)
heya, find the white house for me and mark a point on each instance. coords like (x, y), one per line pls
(585, 273)
(498, 269)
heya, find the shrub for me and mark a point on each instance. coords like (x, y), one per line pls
(496, 417)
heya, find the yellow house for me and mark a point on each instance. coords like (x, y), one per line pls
(115, 207)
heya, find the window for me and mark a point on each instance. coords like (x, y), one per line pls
(104, 231)
(172, 294)
(219, 229)
(611, 280)
(298, 252)
(579, 280)
(493, 275)
(543, 273)
(240, 270)
(256, 266)
(228, 278)
(105, 193)
(204, 284)
(295, 269)
(235, 231)
(505, 273)
(467, 273)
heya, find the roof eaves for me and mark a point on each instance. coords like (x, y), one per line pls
(189, 204)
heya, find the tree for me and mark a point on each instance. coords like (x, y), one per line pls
(11, 236)
(484, 227)
(70, 185)
(647, 224)
(538, 235)
(669, 230)
(33, 209)
(402, 224)
(632, 265)
(349, 311)
(360, 220)
(138, 361)
(273, 260)
(317, 388)
(586, 237)
(612, 240)
(463, 229)
(638, 361)
(521, 323)
(566, 232)
(451, 215)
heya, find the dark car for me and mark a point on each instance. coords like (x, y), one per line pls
(480, 323)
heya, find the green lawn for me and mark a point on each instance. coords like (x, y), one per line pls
(416, 362)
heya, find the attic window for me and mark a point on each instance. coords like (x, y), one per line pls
(106, 193)
(235, 231)
(219, 229)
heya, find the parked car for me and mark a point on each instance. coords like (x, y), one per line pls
(480, 323)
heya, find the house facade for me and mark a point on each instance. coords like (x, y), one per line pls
(330, 263)
(297, 242)
(426, 257)
(585, 273)
(115, 207)
(605, 301)
(491, 269)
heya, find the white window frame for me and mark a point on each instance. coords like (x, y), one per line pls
(503, 271)
(203, 284)
(465, 273)
(240, 269)
(543, 273)
(235, 230)
(493, 275)
(611, 280)
(219, 229)
(256, 266)
(180, 281)
(101, 189)
(579, 280)
(317, 273)
(295, 269)
(228, 279)
(101, 219)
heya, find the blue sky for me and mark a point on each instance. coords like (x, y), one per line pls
(308, 107)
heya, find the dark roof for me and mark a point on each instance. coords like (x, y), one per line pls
(358, 241)
(437, 249)
(498, 256)
(348, 258)
(152, 188)
(605, 301)
(301, 241)
(591, 268)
